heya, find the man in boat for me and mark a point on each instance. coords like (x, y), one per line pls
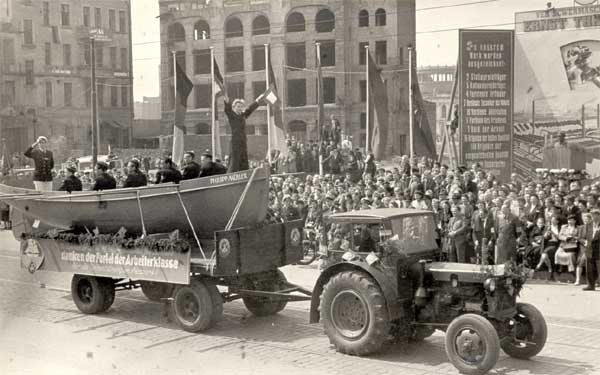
(168, 173)
(71, 182)
(191, 169)
(44, 162)
(237, 113)
(104, 181)
(135, 177)
(208, 167)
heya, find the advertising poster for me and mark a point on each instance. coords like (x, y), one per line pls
(486, 99)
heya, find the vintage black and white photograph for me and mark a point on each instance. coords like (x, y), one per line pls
(299, 187)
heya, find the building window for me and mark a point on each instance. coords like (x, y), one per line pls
(329, 90)
(363, 120)
(202, 127)
(234, 59)
(233, 28)
(87, 54)
(362, 88)
(381, 52)
(114, 96)
(27, 32)
(401, 55)
(176, 32)
(113, 57)
(296, 92)
(380, 17)
(258, 58)
(100, 94)
(363, 18)
(67, 55)
(295, 23)
(325, 21)
(112, 20)
(201, 61)
(122, 21)
(362, 53)
(327, 52)
(261, 26)
(86, 16)
(124, 97)
(202, 96)
(29, 72)
(124, 60)
(443, 113)
(10, 93)
(201, 30)
(55, 35)
(65, 15)
(98, 18)
(48, 53)
(99, 56)
(68, 94)
(48, 93)
(235, 90)
(259, 87)
(46, 13)
(296, 55)
(7, 55)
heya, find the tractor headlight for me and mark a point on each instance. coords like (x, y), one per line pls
(454, 281)
(490, 284)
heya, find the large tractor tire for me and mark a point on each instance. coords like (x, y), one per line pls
(472, 344)
(92, 295)
(354, 313)
(530, 333)
(155, 291)
(192, 307)
(217, 300)
(265, 306)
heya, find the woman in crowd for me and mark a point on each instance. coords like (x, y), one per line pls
(567, 252)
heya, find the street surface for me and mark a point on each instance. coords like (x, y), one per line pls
(42, 332)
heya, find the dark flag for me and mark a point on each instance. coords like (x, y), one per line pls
(378, 110)
(275, 123)
(219, 86)
(183, 87)
(320, 101)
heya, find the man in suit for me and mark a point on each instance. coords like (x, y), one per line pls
(592, 251)
(71, 183)
(168, 173)
(104, 181)
(191, 169)
(572, 209)
(457, 231)
(482, 223)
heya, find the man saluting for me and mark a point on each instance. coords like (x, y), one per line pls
(237, 113)
(44, 162)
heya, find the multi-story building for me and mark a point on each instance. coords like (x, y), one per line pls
(238, 30)
(436, 86)
(45, 72)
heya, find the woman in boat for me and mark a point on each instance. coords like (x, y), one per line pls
(135, 177)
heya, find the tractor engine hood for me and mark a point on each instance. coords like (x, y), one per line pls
(466, 273)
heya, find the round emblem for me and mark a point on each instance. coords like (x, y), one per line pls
(224, 248)
(295, 236)
(32, 256)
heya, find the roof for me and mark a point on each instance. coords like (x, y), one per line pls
(377, 214)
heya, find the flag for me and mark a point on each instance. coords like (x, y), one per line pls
(183, 87)
(320, 101)
(378, 110)
(218, 90)
(423, 142)
(275, 122)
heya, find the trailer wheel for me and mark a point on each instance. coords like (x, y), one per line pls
(217, 300)
(530, 333)
(109, 293)
(354, 313)
(91, 294)
(265, 306)
(155, 291)
(472, 344)
(193, 306)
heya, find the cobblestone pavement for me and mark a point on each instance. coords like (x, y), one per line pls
(573, 343)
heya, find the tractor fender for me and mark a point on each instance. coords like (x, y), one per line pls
(387, 285)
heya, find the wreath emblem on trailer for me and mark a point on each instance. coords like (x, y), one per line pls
(224, 248)
(295, 236)
(32, 256)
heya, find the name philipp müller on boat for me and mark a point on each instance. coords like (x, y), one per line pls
(228, 178)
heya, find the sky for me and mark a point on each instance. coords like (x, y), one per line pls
(436, 28)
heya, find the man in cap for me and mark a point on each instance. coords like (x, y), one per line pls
(44, 162)
(191, 169)
(168, 173)
(592, 252)
(71, 182)
(104, 181)
(207, 166)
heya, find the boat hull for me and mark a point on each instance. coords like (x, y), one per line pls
(209, 202)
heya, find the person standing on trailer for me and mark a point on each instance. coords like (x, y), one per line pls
(237, 113)
(44, 162)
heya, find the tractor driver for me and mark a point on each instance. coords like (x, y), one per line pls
(369, 238)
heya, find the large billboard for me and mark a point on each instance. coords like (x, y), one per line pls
(486, 99)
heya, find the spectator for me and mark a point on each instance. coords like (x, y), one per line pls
(71, 182)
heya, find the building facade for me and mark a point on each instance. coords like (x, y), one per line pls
(238, 30)
(45, 72)
(436, 86)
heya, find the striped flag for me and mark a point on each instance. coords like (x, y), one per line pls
(320, 101)
(183, 87)
(218, 90)
(378, 110)
(275, 123)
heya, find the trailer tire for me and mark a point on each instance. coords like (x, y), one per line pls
(265, 306)
(91, 294)
(217, 300)
(193, 307)
(156, 291)
(109, 293)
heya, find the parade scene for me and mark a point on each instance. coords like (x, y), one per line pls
(302, 187)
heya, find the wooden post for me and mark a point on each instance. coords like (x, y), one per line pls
(583, 120)
(533, 116)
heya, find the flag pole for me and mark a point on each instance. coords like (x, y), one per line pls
(319, 125)
(410, 106)
(174, 103)
(368, 101)
(267, 83)
(212, 111)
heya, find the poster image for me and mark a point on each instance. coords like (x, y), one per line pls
(582, 63)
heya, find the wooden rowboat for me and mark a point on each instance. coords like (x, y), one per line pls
(209, 203)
